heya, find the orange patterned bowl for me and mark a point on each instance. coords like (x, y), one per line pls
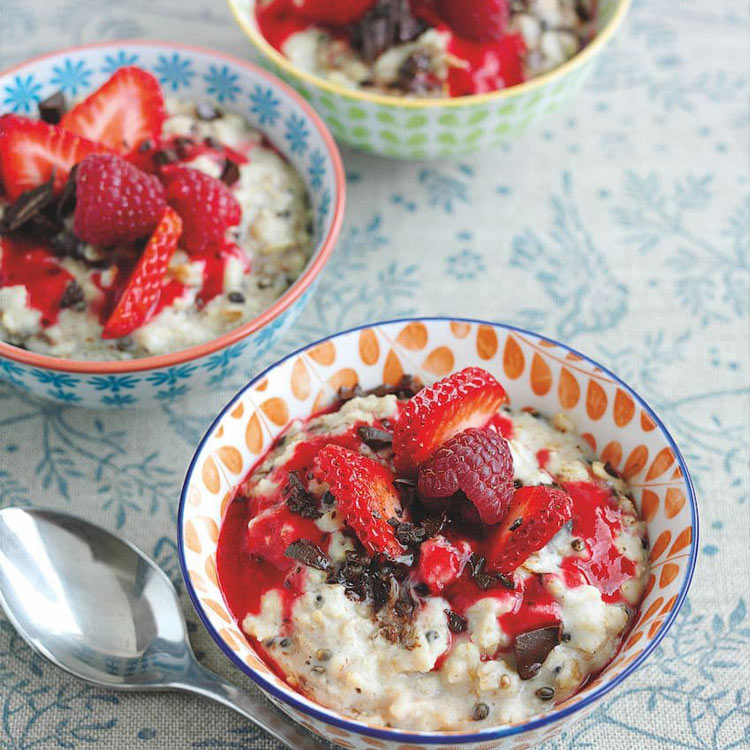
(536, 372)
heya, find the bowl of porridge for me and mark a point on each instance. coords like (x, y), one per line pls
(437, 531)
(164, 215)
(422, 79)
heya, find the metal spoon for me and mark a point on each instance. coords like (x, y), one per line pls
(97, 607)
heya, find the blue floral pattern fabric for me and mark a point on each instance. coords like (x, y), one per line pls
(620, 225)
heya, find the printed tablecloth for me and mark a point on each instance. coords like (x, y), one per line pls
(619, 225)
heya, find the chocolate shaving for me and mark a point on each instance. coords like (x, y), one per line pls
(67, 201)
(309, 554)
(299, 500)
(53, 108)
(374, 437)
(533, 647)
(230, 173)
(67, 245)
(27, 206)
(73, 296)
(484, 578)
(456, 623)
(387, 23)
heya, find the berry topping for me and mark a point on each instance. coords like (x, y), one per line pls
(477, 462)
(271, 534)
(336, 12)
(535, 515)
(441, 563)
(467, 398)
(31, 151)
(115, 201)
(141, 293)
(127, 109)
(206, 205)
(481, 20)
(365, 494)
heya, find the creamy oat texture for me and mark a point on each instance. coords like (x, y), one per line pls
(335, 651)
(274, 233)
(552, 30)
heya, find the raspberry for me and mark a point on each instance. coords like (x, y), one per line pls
(535, 515)
(468, 398)
(481, 20)
(365, 495)
(477, 462)
(206, 205)
(115, 201)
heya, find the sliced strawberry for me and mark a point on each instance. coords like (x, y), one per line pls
(535, 515)
(138, 300)
(441, 563)
(124, 111)
(468, 398)
(365, 495)
(31, 150)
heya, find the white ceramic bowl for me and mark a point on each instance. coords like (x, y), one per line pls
(269, 104)
(536, 372)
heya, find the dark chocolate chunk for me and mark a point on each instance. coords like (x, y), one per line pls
(27, 206)
(237, 297)
(73, 296)
(207, 112)
(230, 172)
(533, 647)
(414, 73)
(374, 437)
(456, 623)
(53, 108)
(309, 554)
(67, 245)
(485, 579)
(387, 23)
(164, 156)
(299, 500)
(67, 201)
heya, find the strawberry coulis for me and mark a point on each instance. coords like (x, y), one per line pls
(489, 66)
(29, 263)
(244, 580)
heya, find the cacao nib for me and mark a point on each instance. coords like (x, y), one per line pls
(299, 500)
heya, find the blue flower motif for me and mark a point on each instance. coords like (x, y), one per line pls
(317, 169)
(66, 396)
(398, 199)
(221, 364)
(264, 105)
(324, 206)
(22, 94)
(120, 60)
(296, 133)
(55, 379)
(174, 71)
(10, 368)
(171, 376)
(172, 393)
(222, 83)
(119, 399)
(268, 335)
(71, 76)
(465, 264)
(114, 383)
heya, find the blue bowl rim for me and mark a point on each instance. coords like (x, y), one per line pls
(442, 738)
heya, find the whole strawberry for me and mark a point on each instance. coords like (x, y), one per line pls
(115, 201)
(480, 20)
(206, 205)
(335, 12)
(477, 462)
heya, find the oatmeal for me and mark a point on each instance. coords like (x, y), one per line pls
(436, 561)
(422, 49)
(59, 291)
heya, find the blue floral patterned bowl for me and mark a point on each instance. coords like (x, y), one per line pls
(288, 121)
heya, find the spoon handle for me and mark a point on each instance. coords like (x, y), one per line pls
(208, 684)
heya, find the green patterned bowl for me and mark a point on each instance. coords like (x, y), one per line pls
(434, 128)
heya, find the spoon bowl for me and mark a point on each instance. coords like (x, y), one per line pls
(97, 607)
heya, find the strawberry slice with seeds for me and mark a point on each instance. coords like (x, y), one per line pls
(136, 304)
(366, 496)
(441, 563)
(467, 398)
(31, 151)
(535, 515)
(124, 111)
